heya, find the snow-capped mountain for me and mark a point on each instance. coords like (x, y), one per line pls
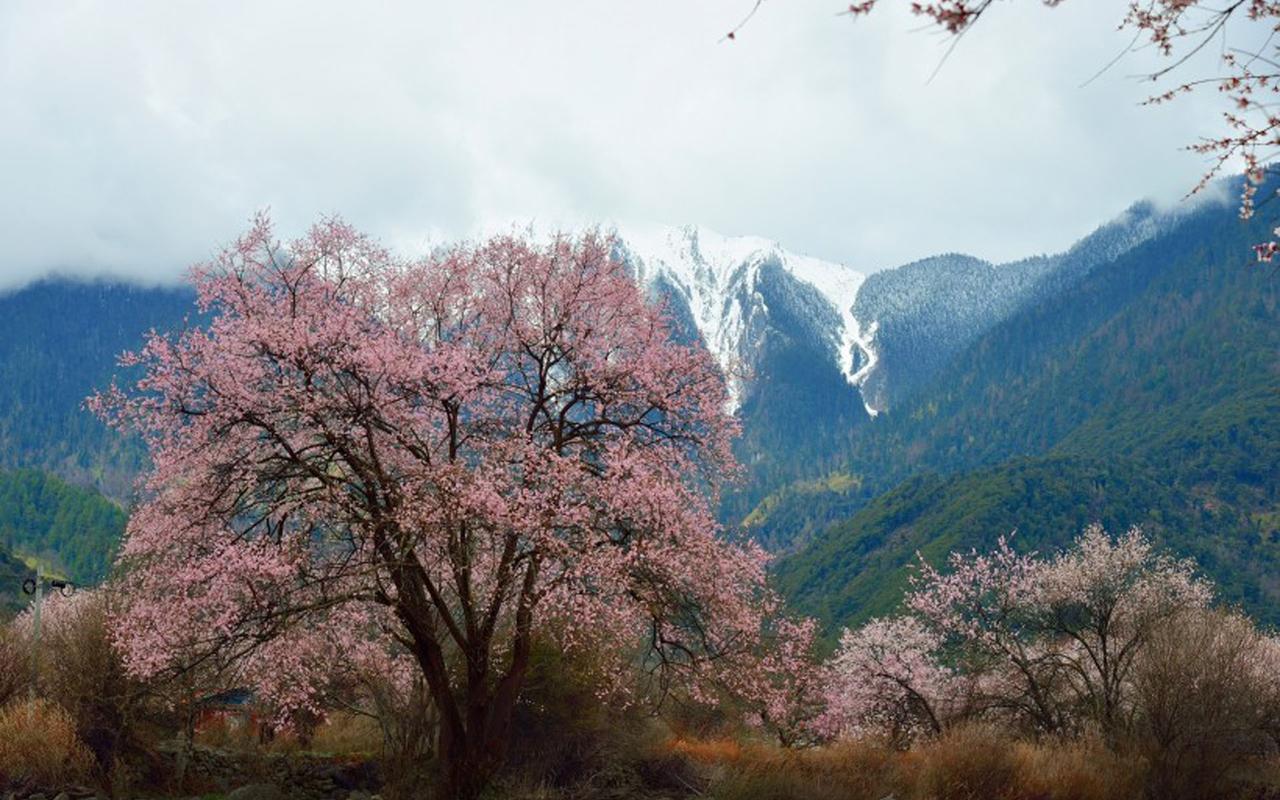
(926, 313)
(888, 334)
(721, 286)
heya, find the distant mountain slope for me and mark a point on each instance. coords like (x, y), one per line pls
(59, 340)
(813, 349)
(70, 530)
(781, 327)
(920, 316)
(717, 283)
(858, 567)
(924, 313)
(1146, 391)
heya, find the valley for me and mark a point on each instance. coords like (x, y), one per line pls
(1134, 378)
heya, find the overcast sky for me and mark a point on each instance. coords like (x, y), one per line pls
(136, 137)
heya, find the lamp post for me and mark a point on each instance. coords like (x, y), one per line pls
(36, 586)
(35, 627)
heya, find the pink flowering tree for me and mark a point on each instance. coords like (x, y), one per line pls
(1099, 603)
(462, 451)
(345, 663)
(786, 689)
(1055, 640)
(983, 612)
(886, 680)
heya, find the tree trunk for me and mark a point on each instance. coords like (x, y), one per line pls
(465, 771)
(475, 728)
(472, 753)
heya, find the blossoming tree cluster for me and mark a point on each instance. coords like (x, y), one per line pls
(363, 457)
(1050, 644)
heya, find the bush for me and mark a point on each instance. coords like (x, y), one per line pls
(570, 739)
(15, 664)
(1085, 769)
(82, 672)
(39, 745)
(1204, 686)
(967, 763)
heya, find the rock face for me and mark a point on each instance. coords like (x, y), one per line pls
(256, 791)
(726, 292)
(278, 776)
(887, 333)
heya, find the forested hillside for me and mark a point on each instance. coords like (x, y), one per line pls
(1146, 392)
(13, 571)
(69, 530)
(59, 341)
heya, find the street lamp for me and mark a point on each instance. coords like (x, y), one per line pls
(36, 586)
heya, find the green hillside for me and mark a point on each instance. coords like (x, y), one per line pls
(1149, 392)
(59, 342)
(67, 529)
(13, 571)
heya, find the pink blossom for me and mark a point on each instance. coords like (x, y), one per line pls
(440, 457)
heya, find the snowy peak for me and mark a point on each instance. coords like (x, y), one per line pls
(717, 279)
(889, 334)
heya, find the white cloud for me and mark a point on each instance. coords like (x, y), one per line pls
(137, 137)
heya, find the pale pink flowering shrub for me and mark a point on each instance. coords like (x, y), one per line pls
(885, 680)
(985, 614)
(1102, 599)
(786, 690)
(15, 664)
(82, 673)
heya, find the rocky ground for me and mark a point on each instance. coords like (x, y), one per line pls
(231, 775)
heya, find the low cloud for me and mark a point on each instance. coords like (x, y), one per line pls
(139, 137)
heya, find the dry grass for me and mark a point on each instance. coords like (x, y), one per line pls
(347, 735)
(39, 745)
(1078, 770)
(706, 751)
(847, 771)
(974, 763)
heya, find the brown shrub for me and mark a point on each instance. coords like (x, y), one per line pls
(860, 770)
(967, 763)
(1077, 770)
(348, 735)
(15, 664)
(1200, 688)
(82, 672)
(39, 745)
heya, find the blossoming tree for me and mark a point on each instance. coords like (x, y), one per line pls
(457, 452)
(1052, 643)
(1101, 600)
(984, 612)
(885, 679)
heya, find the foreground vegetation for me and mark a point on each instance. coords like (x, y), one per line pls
(989, 684)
